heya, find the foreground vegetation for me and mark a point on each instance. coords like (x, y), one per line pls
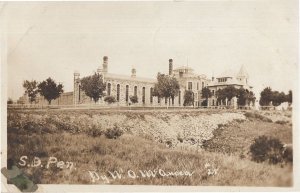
(223, 160)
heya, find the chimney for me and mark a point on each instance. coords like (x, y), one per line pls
(133, 73)
(76, 75)
(105, 63)
(170, 66)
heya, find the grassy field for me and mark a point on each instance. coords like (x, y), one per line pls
(65, 135)
(236, 137)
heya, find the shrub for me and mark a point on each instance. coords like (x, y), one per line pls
(169, 143)
(180, 138)
(134, 99)
(288, 153)
(10, 101)
(258, 116)
(113, 133)
(267, 149)
(94, 131)
(110, 99)
(32, 127)
(281, 122)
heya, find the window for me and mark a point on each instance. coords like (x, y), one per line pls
(172, 100)
(108, 89)
(143, 99)
(213, 102)
(190, 85)
(135, 91)
(118, 92)
(180, 74)
(127, 92)
(79, 93)
(179, 97)
(166, 100)
(213, 92)
(202, 84)
(158, 100)
(151, 97)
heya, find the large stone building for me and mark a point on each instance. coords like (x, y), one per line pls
(124, 86)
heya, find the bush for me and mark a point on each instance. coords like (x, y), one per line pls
(94, 131)
(258, 116)
(10, 101)
(134, 99)
(288, 153)
(281, 122)
(204, 103)
(267, 149)
(110, 99)
(113, 133)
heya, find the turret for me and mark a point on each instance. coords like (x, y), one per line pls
(133, 72)
(170, 66)
(243, 75)
(105, 64)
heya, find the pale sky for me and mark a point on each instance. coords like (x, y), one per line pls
(53, 39)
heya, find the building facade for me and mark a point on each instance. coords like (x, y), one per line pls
(239, 80)
(123, 86)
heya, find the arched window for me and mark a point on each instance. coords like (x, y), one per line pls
(79, 93)
(118, 92)
(151, 97)
(108, 89)
(143, 99)
(126, 93)
(135, 91)
(190, 85)
(179, 98)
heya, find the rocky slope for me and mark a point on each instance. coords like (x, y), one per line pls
(176, 129)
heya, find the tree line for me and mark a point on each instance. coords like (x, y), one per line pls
(268, 97)
(244, 96)
(166, 87)
(48, 88)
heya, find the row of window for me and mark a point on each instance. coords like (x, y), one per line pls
(135, 94)
(190, 85)
(127, 92)
(222, 79)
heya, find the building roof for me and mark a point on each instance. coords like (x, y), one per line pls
(243, 72)
(226, 74)
(184, 68)
(126, 77)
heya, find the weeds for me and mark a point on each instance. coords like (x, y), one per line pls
(281, 122)
(252, 115)
(267, 149)
(113, 133)
(89, 147)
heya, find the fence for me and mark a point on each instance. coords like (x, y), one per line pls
(119, 107)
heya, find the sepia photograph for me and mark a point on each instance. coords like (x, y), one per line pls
(175, 94)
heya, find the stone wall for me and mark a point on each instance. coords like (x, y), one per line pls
(81, 98)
